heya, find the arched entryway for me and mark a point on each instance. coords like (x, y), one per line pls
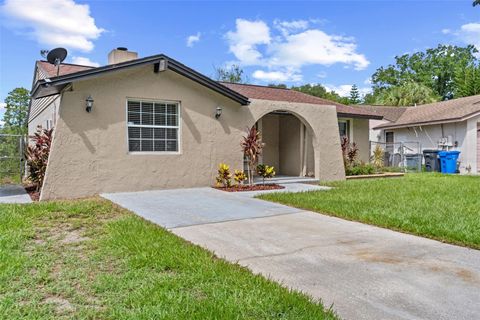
(289, 144)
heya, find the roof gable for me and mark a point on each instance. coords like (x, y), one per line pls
(48, 70)
(289, 95)
(444, 111)
(54, 85)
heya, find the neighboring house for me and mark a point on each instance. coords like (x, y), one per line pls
(446, 125)
(155, 123)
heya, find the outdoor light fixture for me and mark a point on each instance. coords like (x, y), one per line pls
(89, 102)
(218, 112)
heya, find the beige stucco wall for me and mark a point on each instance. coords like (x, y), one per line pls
(283, 139)
(269, 126)
(289, 150)
(361, 136)
(90, 152)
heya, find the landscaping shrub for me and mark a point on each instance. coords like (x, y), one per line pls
(224, 176)
(37, 156)
(239, 176)
(265, 171)
(378, 158)
(252, 146)
(360, 169)
(349, 153)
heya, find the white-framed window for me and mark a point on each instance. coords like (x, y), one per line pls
(153, 126)
(344, 128)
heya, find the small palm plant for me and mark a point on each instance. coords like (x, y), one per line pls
(265, 172)
(377, 159)
(252, 146)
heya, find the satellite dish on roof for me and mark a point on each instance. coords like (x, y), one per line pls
(56, 57)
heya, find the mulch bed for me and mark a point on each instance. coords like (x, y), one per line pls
(32, 192)
(255, 187)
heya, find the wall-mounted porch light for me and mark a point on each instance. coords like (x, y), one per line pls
(89, 103)
(218, 112)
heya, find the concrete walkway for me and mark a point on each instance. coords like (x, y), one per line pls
(364, 271)
(14, 194)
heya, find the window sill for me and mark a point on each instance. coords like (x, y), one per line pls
(154, 153)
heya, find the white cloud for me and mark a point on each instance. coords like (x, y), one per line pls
(245, 39)
(2, 106)
(322, 74)
(54, 22)
(287, 27)
(470, 34)
(276, 76)
(344, 89)
(84, 61)
(192, 39)
(290, 46)
(317, 47)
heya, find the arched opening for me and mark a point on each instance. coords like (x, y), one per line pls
(289, 144)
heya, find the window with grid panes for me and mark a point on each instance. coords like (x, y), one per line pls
(152, 126)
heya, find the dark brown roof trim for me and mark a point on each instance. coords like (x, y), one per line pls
(48, 87)
(359, 116)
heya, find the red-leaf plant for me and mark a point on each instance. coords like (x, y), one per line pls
(349, 152)
(252, 146)
(37, 156)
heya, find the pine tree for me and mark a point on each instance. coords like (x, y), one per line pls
(16, 111)
(354, 95)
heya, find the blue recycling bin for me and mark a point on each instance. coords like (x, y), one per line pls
(448, 161)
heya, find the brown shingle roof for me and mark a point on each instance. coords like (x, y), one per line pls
(280, 94)
(444, 111)
(389, 113)
(65, 68)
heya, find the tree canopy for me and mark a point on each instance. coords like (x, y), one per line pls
(408, 94)
(233, 74)
(434, 68)
(16, 112)
(320, 91)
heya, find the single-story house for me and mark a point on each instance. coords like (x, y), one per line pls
(151, 123)
(446, 125)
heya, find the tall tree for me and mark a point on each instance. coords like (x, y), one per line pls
(476, 3)
(433, 68)
(467, 80)
(408, 94)
(278, 85)
(354, 95)
(16, 111)
(320, 91)
(234, 74)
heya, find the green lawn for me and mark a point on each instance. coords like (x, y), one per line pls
(92, 260)
(446, 208)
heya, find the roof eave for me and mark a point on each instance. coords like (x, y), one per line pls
(359, 116)
(61, 81)
(418, 124)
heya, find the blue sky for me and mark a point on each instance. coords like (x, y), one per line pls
(336, 43)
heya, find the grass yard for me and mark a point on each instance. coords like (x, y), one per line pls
(446, 208)
(92, 260)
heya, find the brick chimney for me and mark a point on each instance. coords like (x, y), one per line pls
(121, 54)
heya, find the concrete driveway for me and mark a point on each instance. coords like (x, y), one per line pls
(12, 193)
(365, 272)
